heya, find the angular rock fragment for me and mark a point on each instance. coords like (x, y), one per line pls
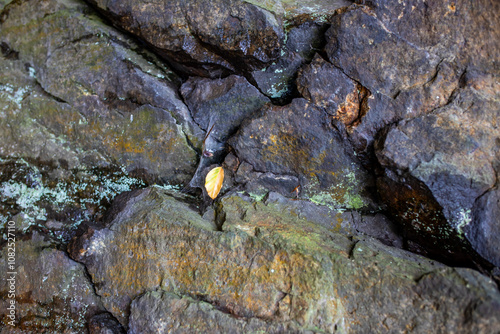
(219, 107)
(299, 140)
(327, 87)
(52, 292)
(277, 80)
(205, 38)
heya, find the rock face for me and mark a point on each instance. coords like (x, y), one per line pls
(455, 160)
(212, 34)
(53, 293)
(160, 311)
(299, 140)
(351, 133)
(159, 257)
(76, 86)
(328, 88)
(444, 105)
(219, 107)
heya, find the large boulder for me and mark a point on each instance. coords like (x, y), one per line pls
(157, 256)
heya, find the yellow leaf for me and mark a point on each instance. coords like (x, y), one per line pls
(213, 181)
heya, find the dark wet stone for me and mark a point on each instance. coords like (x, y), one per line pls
(299, 140)
(207, 38)
(451, 153)
(277, 81)
(53, 292)
(85, 94)
(219, 106)
(55, 200)
(104, 323)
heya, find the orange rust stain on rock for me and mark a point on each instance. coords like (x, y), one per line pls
(348, 111)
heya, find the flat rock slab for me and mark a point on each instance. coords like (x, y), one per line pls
(271, 265)
(160, 311)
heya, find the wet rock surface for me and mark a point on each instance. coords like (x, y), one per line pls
(81, 93)
(56, 201)
(210, 34)
(277, 81)
(219, 107)
(347, 133)
(53, 292)
(299, 140)
(270, 264)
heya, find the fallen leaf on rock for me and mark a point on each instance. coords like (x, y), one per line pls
(213, 181)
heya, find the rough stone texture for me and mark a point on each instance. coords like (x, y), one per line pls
(405, 92)
(299, 140)
(218, 107)
(76, 91)
(314, 10)
(349, 222)
(104, 323)
(207, 38)
(465, 31)
(359, 44)
(222, 104)
(453, 152)
(57, 200)
(484, 231)
(53, 293)
(392, 47)
(272, 265)
(160, 312)
(414, 52)
(327, 87)
(277, 80)
(433, 105)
